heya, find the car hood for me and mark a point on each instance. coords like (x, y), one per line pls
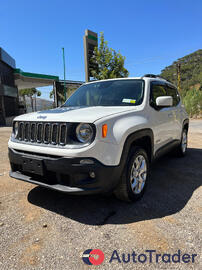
(74, 114)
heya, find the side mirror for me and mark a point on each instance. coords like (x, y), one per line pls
(164, 101)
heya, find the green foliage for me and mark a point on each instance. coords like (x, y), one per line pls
(51, 95)
(190, 80)
(107, 63)
(30, 92)
(193, 102)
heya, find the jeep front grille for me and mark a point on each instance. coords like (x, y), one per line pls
(47, 129)
(54, 133)
(27, 127)
(43, 133)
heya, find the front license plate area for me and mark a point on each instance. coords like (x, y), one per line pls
(33, 165)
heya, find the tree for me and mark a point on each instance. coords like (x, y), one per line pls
(30, 92)
(193, 102)
(107, 63)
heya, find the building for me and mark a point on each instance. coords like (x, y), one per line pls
(12, 80)
(8, 90)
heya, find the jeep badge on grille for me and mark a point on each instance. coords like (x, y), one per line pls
(41, 117)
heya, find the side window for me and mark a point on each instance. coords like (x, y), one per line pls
(157, 90)
(174, 94)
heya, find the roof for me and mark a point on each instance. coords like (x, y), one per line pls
(68, 82)
(134, 78)
(32, 80)
(35, 75)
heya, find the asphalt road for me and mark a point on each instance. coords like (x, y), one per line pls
(43, 229)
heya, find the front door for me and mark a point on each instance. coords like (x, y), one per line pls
(161, 118)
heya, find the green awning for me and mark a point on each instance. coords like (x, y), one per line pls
(32, 80)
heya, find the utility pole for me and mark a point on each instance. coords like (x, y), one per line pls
(35, 102)
(55, 94)
(63, 53)
(179, 76)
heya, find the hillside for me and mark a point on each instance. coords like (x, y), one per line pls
(190, 83)
(191, 71)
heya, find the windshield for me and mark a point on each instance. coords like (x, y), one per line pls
(108, 93)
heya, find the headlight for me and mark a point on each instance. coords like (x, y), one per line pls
(84, 133)
(15, 128)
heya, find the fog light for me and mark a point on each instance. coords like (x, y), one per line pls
(92, 174)
(86, 161)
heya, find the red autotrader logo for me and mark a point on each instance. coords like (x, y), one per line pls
(90, 254)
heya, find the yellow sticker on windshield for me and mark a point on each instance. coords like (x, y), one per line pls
(132, 101)
(127, 100)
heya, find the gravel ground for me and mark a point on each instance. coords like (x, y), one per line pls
(44, 229)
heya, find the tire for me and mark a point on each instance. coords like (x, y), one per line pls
(130, 187)
(182, 148)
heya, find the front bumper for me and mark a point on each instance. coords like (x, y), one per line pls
(64, 174)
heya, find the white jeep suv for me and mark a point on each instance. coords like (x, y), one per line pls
(102, 139)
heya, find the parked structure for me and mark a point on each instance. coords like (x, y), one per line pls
(8, 90)
(12, 80)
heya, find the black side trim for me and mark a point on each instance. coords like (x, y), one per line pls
(186, 121)
(166, 148)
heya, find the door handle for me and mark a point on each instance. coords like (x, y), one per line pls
(170, 115)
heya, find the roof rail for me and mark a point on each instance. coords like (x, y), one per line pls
(150, 76)
(153, 76)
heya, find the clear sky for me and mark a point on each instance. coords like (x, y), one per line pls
(150, 34)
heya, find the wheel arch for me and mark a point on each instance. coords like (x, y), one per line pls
(143, 138)
(185, 124)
